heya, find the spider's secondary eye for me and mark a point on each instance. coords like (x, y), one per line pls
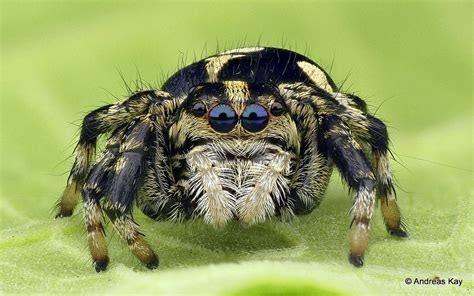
(199, 109)
(254, 118)
(222, 118)
(277, 109)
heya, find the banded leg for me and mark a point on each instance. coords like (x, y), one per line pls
(385, 189)
(97, 122)
(373, 131)
(123, 184)
(336, 142)
(92, 191)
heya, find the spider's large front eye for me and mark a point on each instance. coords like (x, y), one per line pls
(254, 118)
(222, 118)
(199, 109)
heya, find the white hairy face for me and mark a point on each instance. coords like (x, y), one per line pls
(244, 186)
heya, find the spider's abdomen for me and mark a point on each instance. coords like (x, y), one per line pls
(254, 65)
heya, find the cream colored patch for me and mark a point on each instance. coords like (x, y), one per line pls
(316, 75)
(215, 64)
(384, 172)
(364, 203)
(243, 50)
(126, 228)
(343, 99)
(92, 213)
(238, 93)
(84, 157)
(119, 165)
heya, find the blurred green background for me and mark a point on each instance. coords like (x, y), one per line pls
(412, 61)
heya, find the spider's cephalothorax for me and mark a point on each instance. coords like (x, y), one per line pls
(246, 134)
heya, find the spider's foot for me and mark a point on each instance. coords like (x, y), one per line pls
(357, 261)
(102, 265)
(398, 233)
(153, 265)
(142, 250)
(68, 200)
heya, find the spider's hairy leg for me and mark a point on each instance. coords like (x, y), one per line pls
(92, 191)
(372, 131)
(336, 142)
(312, 172)
(385, 189)
(123, 184)
(97, 122)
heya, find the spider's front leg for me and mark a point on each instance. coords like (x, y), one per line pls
(97, 122)
(117, 176)
(92, 192)
(123, 184)
(337, 144)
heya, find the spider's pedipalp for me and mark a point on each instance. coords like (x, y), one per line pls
(336, 142)
(162, 196)
(312, 172)
(97, 122)
(269, 187)
(215, 203)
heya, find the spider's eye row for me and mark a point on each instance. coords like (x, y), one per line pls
(199, 109)
(277, 108)
(222, 118)
(254, 118)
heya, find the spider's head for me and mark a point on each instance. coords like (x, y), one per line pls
(237, 114)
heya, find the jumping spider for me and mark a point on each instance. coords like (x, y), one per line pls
(242, 135)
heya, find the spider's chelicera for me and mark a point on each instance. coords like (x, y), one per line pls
(243, 135)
